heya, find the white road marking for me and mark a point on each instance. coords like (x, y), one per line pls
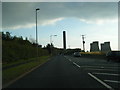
(108, 65)
(100, 69)
(107, 86)
(65, 57)
(76, 64)
(112, 81)
(69, 60)
(107, 74)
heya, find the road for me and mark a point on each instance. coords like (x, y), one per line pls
(71, 72)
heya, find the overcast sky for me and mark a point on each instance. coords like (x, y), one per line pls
(97, 20)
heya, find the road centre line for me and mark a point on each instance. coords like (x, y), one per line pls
(112, 81)
(107, 74)
(69, 59)
(107, 86)
(66, 57)
(76, 64)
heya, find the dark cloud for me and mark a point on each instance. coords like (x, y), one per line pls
(22, 14)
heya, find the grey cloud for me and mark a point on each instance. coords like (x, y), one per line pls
(23, 13)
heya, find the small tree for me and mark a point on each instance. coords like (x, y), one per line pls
(48, 47)
(8, 36)
(3, 36)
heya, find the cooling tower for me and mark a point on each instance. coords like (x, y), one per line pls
(94, 46)
(102, 47)
(105, 47)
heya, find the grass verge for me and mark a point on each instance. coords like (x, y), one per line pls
(93, 53)
(12, 73)
(17, 62)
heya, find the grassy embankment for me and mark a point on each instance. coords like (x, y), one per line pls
(14, 72)
(21, 55)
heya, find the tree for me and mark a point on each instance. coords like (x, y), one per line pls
(48, 47)
(21, 38)
(15, 38)
(3, 36)
(26, 39)
(8, 36)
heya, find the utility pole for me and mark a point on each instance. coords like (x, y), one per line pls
(83, 38)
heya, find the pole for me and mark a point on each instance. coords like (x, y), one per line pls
(36, 32)
(50, 39)
(51, 46)
(51, 43)
(83, 42)
(36, 26)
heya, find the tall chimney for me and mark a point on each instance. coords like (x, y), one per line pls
(64, 39)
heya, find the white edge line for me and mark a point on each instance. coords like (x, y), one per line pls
(107, 86)
(112, 81)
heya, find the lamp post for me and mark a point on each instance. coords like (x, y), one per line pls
(83, 37)
(36, 31)
(51, 42)
(51, 38)
(36, 26)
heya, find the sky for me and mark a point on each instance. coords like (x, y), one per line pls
(98, 21)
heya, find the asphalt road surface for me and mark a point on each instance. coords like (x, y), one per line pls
(71, 72)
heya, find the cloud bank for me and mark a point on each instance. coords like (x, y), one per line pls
(17, 15)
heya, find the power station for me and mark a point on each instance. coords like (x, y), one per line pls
(105, 47)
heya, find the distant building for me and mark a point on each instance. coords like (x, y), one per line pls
(105, 47)
(94, 47)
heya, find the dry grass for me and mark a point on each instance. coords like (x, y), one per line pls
(93, 53)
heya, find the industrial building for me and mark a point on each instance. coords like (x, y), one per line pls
(105, 47)
(94, 46)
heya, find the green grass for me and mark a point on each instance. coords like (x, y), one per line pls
(17, 62)
(12, 73)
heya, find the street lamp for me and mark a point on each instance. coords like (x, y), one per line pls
(51, 42)
(36, 31)
(51, 38)
(36, 26)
